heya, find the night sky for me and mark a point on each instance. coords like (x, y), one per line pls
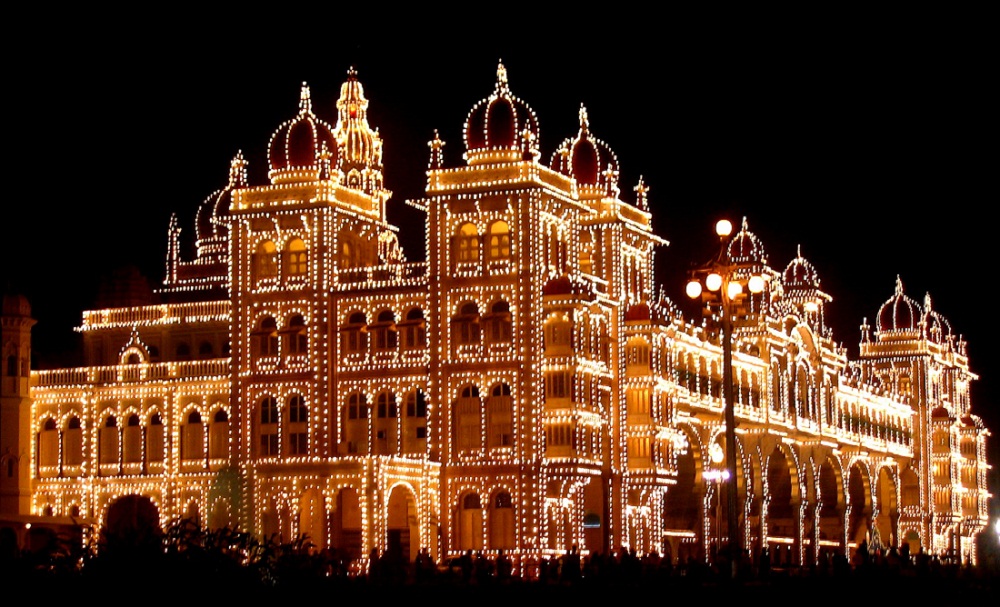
(869, 143)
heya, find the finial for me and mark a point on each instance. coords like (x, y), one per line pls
(305, 103)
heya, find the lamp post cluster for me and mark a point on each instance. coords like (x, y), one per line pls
(725, 291)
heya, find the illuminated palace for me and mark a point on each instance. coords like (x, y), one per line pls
(526, 388)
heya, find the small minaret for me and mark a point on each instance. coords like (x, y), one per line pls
(15, 405)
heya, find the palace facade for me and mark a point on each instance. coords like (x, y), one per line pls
(524, 389)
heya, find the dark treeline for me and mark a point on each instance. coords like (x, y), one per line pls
(187, 560)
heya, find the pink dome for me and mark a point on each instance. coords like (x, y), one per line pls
(502, 124)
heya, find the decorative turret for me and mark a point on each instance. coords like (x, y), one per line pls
(360, 145)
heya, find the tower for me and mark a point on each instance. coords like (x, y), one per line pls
(15, 405)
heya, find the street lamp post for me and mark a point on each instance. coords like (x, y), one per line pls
(719, 286)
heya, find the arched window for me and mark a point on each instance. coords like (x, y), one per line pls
(468, 419)
(296, 335)
(182, 351)
(297, 257)
(499, 234)
(218, 436)
(356, 423)
(109, 441)
(73, 443)
(500, 420)
(265, 337)
(48, 448)
(132, 440)
(415, 422)
(266, 260)
(413, 330)
(465, 325)
(193, 438)
(354, 334)
(499, 326)
(466, 244)
(155, 441)
(267, 417)
(205, 350)
(298, 426)
(383, 331)
(385, 423)
(501, 521)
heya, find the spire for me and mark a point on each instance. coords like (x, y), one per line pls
(305, 100)
(502, 79)
(238, 171)
(641, 189)
(437, 154)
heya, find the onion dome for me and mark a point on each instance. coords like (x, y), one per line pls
(212, 220)
(800, 274)
(500, 128)
(302, 148)
(938, 327)
(899, 312)
(940, 413)
(588, 160)
(745, 247)
(638, 312)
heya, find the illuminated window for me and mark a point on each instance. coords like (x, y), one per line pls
(297, 258)
(466, 244)
(499, 239)
(266, 260)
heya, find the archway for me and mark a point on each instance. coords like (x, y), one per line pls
(402, 527)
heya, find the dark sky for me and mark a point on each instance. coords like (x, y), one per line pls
(869, 142)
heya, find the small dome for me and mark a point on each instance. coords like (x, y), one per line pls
(16, 304)
(938, 327)
(939, 413)
(560, 285)
(500, 127)
(800, 274)
(212, 221)
(588, 160)
(639, 311)
(303, 148)
(899, 312)
(745, 247)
